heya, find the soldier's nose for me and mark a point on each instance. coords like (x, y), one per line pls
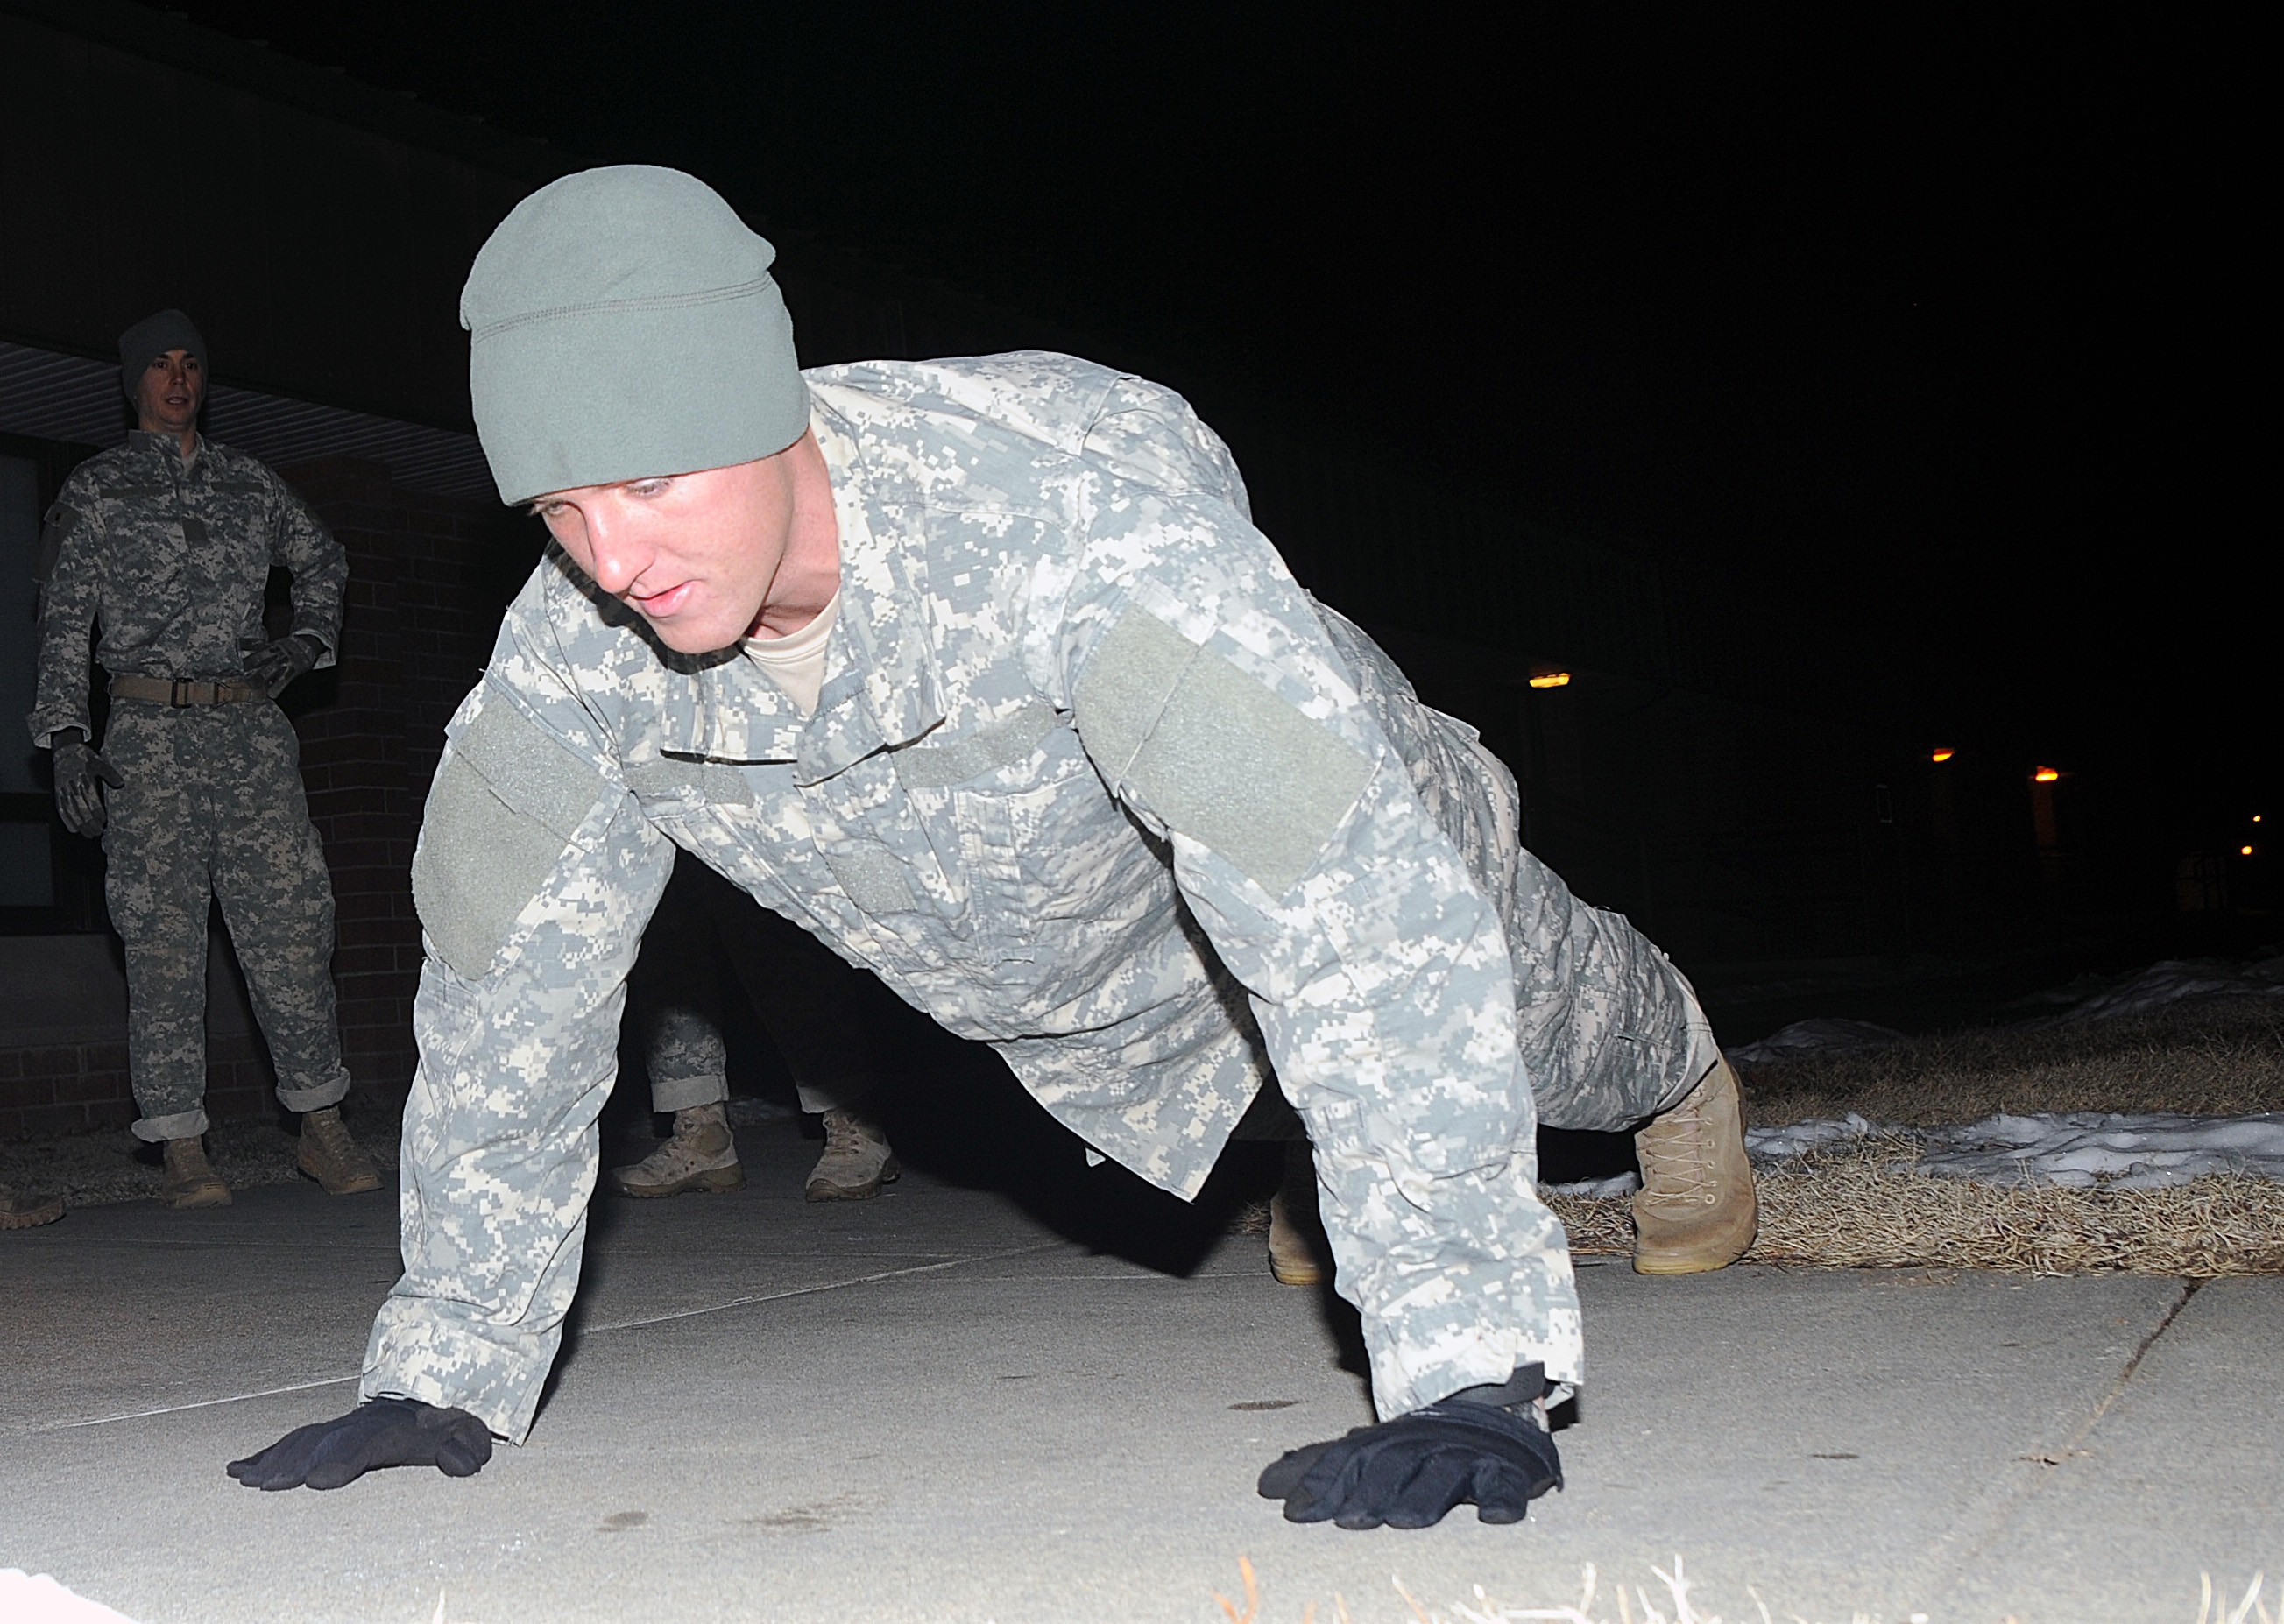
(620, 559)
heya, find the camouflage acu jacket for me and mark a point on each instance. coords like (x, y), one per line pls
(171, 562)
(1087, 780)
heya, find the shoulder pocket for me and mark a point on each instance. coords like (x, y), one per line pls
(499, 817)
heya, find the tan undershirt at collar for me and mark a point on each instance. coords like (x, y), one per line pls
(795, 662)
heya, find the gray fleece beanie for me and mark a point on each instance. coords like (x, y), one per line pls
(623, 324)
(153, 337)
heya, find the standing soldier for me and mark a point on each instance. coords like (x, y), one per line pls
(167, 544)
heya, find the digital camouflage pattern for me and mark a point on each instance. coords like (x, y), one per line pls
(171, 562)
(1092, 779)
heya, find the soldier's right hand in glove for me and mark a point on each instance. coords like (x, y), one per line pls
(78, 800)
(378, 1433)
(1410, 1472)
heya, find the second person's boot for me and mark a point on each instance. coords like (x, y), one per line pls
(1296, 1235)
(857, 1161)
(701, 1156)
(328, 1155)
(190, 1179)
(1697, 1210)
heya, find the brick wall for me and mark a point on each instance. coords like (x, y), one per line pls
(423, 605)
(428, 577)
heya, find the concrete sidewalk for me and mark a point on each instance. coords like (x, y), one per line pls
(934, 1407)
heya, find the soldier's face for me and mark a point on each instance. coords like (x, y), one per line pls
(697, 555)
(168, 395)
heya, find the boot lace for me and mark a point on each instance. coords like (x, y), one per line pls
(1678, 1163)
(331, 1134)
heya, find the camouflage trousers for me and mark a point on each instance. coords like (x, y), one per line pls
(1610, 1034)
(211, 810)
(828, 1019)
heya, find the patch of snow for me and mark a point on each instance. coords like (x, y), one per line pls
(2118, 1150)
(1823, 1034)
(2174, 980)
(2076, 1150)
(1764, 1144)
(1598, 1189)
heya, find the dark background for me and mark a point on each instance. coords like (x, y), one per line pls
(1936, 333)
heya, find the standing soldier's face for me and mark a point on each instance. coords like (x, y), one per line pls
(697, 555)
(167, 395)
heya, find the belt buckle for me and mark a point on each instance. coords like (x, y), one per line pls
(179, 693)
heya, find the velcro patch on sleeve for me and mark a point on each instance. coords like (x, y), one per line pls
(501, 812)
(1216, 753)
(874, 881)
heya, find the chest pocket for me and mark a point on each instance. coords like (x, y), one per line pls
(1040, 835)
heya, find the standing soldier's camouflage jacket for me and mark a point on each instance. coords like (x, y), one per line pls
(173, 561)
(1090, 778)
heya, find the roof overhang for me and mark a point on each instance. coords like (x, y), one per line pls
(47, 395)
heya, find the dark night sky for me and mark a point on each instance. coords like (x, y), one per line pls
(1939, 331)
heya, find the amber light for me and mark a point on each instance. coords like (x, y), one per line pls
(1943, 755)
(1550, 679)
(2045, 775)
(2244, 851)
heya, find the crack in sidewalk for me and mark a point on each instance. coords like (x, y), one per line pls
(2024, 1489)
(747, 1300)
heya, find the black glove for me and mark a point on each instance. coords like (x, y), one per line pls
(276, 664)
(1408, 1472)
(78, 802)
(378, 1433)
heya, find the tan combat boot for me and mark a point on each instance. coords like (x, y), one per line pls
(28, 1211)
(190, 1179)
(857, 1161)
(1296, 1235)
(1697, 1210)
(331, 1157)
(701, 1156)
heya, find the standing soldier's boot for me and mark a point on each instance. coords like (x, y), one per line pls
(857, 1161)
(190, 1180)
(701, 1155)
(1697, 1210)
(1296, 1237)
(331, 1157)
(28, 1211)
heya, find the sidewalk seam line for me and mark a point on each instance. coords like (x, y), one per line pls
(810, 1290)
(635, 1324)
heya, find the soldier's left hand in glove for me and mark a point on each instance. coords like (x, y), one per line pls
(1410, 1472)
(378, 1433)
(78, 802)
(276, 664)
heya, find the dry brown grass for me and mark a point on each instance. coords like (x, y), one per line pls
(1858, 1205)
(2220, 1057)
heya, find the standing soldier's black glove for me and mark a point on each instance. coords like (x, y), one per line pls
(276, 664)
(1484, 1445)
(78, 802)
(378, 1433)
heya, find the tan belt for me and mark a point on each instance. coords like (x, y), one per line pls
(180, 691)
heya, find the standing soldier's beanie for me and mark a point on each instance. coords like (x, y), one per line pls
(153, 337)
(623, 325)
